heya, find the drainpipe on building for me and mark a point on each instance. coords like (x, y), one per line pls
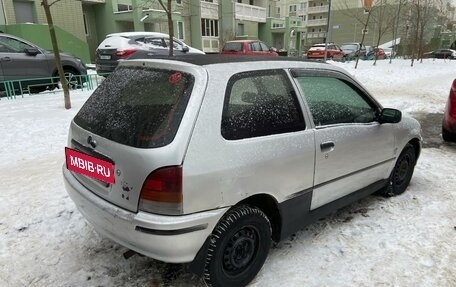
(327, 27)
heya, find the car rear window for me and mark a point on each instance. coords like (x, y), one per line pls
(232, 47)
(138, 106)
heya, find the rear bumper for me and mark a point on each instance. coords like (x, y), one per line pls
(174, 239)
(105, 67)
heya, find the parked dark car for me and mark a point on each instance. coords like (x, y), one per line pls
(441, 54)
(247, 47)
(449, 116)
(23, 60)
(136, 45)
(353, 50)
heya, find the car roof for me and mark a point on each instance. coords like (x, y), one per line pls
(242, 41)
(216, 59)
(137, 34)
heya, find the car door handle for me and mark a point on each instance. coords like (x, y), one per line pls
(6, 59)
(327, 146)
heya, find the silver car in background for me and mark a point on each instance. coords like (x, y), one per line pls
(35, 67)
(136, 45)
(209, 159)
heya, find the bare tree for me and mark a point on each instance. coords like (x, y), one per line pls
(169, 16)
(66, 92)
(382, 16)
(360, 16)
(422, 13)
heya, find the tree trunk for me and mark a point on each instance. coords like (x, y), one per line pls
(170, 28)
(362, 39)
(55, 48)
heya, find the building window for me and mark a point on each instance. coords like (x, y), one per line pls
(292, 8)
(179, 1)
(86, 24)
(180, 30)
(209, 27)
(124, 7)
(24, 11)
(240, 29)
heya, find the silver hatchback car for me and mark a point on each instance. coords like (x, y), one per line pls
(207, 159)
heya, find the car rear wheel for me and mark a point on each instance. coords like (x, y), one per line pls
(73, 79)
(402, 172)
(238, 247)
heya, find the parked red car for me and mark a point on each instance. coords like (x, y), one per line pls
(317, 51)
(247, 47)
(449, 117)
(378, 53)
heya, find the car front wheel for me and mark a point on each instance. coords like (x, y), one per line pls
(238, 247)
(402, 173)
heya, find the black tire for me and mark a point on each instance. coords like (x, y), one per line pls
(447, 136)
(238, 247)
(38, 89)
(402, 172)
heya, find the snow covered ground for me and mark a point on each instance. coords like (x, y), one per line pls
(407, 240)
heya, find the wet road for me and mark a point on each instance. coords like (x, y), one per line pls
(431, 129)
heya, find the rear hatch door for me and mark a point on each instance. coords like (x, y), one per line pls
(140, 119)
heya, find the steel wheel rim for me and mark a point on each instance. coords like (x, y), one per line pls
(240, 250)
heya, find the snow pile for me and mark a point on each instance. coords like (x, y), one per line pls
(402, 241)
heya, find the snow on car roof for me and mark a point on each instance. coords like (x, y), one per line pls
(135, 34)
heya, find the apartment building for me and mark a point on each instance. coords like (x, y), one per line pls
(214, 22)
(296, 25)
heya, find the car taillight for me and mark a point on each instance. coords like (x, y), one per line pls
(125, 53)
(162, 191)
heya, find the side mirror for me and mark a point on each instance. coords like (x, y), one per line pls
(185, 49)
(31, 51)
(390, 116)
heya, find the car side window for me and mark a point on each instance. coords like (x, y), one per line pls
(11, 45)
(334, 101)
(264, 47)
(176, 45)
(158, 42)
(258, 104)
(255, 46)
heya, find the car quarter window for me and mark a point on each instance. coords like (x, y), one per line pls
(334, 101)
(260, 103)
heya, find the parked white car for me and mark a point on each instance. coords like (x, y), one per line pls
(208, 159)
(136, 45)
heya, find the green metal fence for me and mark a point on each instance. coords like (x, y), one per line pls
(15, 88)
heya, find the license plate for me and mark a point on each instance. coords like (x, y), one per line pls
(89, 166)
(105, 57)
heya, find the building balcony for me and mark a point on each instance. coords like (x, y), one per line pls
(250, 13)
(314, 35)
(93, 1)
(211, 44)
(278, 24)
(317, 22)
(209, 10)
(318, 9)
